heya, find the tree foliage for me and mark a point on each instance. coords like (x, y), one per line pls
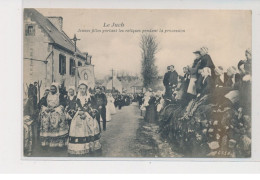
(149, 47)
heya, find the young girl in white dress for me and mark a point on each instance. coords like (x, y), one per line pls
(110, 104)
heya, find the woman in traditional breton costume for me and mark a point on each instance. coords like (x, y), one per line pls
(227, 96)
(207, 84)
(181, 90)
(204, 95)
(84, 131)
(54, 127)
(220, 78)
(194, 74)
(151, 112)
(246, 82)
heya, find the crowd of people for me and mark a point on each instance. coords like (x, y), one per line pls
(71, 119)
(122, 100)
(207, 111)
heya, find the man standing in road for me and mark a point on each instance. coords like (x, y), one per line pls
(101, 102)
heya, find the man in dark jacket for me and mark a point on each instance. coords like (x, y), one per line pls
(170, 82)
(166, 77)
(173, 77)
(101, 102)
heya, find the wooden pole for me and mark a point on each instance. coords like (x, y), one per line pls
(112, 80)
(76, 72)
(52, 66)
(75, 39)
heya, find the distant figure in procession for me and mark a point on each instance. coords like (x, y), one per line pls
(111, 104)
(108, 113)
(101, 102)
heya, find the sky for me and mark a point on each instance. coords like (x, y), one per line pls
(226, 33)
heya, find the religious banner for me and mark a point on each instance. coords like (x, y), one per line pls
(87, 73)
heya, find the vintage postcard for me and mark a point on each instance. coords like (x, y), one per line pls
(137, 83)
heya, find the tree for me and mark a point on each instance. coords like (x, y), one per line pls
(149, 48)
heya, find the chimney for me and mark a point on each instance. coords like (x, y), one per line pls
(57, 21)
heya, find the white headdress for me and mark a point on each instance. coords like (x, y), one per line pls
(83, 82)
(204, 49)
(219, 70)
(85, 97)
(232, 70)
(249, 51)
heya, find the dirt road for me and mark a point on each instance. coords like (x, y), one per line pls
(119, 138)
(127, 135)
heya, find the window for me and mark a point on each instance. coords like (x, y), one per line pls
(62, 64)
(79, 63)
(72, 67)
(30, 30)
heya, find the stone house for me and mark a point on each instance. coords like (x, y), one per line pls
(49, 54)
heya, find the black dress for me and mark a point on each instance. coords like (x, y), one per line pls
(151, 113)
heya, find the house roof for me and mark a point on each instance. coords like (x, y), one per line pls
(59, 38)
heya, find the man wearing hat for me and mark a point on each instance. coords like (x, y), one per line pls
(101, 102)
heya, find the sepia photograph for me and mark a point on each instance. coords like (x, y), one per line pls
(136, 83)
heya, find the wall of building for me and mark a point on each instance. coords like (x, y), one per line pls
(67, 78)
(35, 47)
(38, 47)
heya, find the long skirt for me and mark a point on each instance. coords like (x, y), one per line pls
(192, 86)
(151, 114)
(54, 127)
(111, 108)
(84, 135)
